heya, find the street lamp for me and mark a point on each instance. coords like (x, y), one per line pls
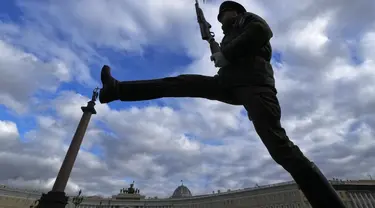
(77, 200)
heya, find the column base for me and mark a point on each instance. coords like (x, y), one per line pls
(53, 200)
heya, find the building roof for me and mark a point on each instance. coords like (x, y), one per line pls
(181, 192)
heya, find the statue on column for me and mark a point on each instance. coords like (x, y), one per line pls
(95, 94)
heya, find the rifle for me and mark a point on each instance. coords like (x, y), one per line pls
(205, 30)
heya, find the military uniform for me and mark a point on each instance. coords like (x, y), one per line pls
(248, 81)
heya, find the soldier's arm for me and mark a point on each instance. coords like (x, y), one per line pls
(256, 34)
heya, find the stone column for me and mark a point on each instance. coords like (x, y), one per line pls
(353, 199)
(71, 155)
(57, 198)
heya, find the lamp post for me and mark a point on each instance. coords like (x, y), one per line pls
(77, 200)
(56, 198)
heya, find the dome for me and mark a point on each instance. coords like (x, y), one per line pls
(181, 192)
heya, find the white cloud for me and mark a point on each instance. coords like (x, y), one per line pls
(310, 36)
(23, 74)
(8, 134)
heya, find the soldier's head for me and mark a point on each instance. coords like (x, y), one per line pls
(228, 10)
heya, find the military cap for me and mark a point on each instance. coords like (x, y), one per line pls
(230, 5)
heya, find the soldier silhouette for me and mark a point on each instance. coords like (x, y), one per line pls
(245, 78)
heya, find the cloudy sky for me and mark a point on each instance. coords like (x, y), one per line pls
(51, 53)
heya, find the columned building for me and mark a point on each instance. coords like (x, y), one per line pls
(355, 194)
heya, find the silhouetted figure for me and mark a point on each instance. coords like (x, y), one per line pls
(245, 78)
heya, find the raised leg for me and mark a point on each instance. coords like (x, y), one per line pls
(180, 86)
(264, 110)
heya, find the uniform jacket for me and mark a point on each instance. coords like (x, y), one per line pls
(246, 45)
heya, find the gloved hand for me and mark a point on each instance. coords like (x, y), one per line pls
(219, 59)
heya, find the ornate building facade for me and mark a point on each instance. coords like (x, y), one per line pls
(355, 194)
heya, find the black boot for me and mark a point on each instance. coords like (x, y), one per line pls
(110, 90)
(318, 191)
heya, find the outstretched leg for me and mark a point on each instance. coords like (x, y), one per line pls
(264, 110)
(180, 86)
